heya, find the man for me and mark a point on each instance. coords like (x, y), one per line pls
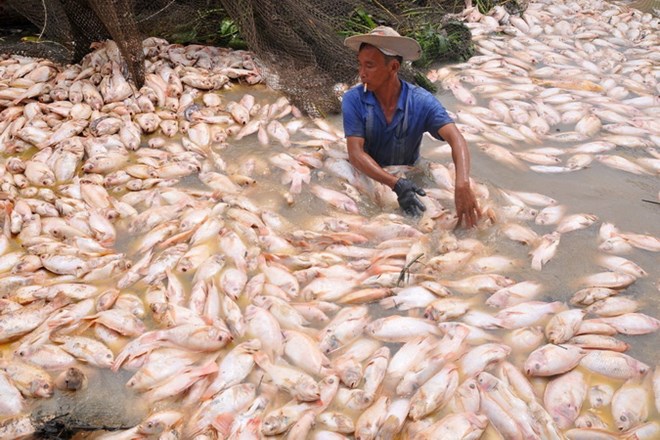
(385, 118)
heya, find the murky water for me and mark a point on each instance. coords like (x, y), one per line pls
(612, 195)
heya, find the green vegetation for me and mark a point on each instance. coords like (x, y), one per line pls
(210, 26)
(450, 42)
(359, 22)
(484, 5)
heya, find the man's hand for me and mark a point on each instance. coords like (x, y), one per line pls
(466, 207)
(407, 192)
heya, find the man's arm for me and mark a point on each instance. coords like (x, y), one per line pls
(366, 164)
(405, 189)
(466, 203)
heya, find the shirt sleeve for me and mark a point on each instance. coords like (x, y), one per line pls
(437, 116)
(351, 108)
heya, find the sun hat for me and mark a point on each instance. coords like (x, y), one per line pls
(388, 41)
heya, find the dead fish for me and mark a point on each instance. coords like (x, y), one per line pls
(545, 250)
(564, 396)
(550, 360)
(613, 364)
(613, 280)
(630, 405)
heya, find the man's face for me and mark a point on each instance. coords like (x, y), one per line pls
(373, 67)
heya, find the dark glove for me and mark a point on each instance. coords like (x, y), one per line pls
(407, 192)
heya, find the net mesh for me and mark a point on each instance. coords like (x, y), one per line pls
(299, 43)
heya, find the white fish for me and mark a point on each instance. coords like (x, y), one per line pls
(594, 147)
(371, 420)
(599, 342)
(233, 367)
(409, 298)
(632, 323)
(12, 401)
(589, 125)
(520, 233)
(409, 354)
(549, 169)
(30, 380)
(614, 306)
(514, 294)
(538, 158)
(613, 364)
(279, 132)
(396, 416)
(575, 222)
(644, 431)
(550, 359)
(630, 405)
(545, 250)
(435, 393)
(447, 309)
(613, 280)
(516, 379)
(579, 161)
(504, 424)
(641, 241)
(485, 283)
(494, 263)
(590, 326)
(291, 380)
(564, 396)
(346, 326)
(620, 163)
(600, 395)
(502, 155)
(335, 198)
(303, 351)
(462, 94)
(495, 391)
(550, 215)
(263, 326)
(483, 357)
(302, 427)
(564, 325)
(87, 349)
(590, 434)
(400, 328)
(221, 410)
(28, 318)
(549, 113)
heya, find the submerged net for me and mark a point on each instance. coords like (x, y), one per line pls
(299, 42)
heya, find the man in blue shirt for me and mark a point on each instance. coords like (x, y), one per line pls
(385, 118)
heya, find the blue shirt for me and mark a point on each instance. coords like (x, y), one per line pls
(396, 143)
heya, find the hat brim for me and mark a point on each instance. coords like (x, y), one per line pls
(408, 48)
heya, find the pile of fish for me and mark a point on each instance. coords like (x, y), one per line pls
(588, 87)
(279, 293)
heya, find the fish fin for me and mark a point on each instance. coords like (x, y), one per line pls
(222, 423)
(261, 358)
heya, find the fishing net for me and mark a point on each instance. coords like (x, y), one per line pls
(299, 43)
